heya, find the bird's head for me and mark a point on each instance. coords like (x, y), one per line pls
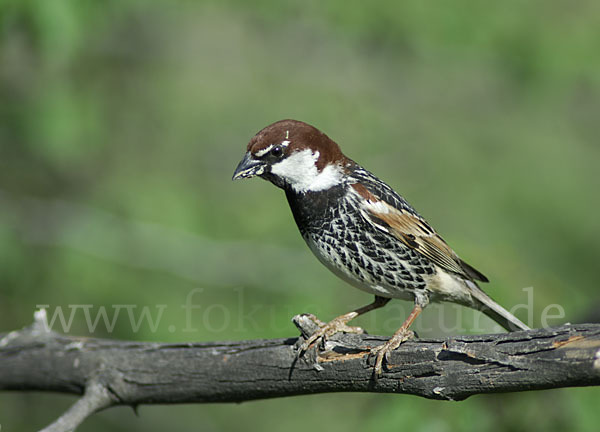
(296, 155)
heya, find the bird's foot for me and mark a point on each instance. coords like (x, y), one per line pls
(382, 352)
(326, 330)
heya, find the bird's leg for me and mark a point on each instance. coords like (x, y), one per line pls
(339, 324)
(402, 334)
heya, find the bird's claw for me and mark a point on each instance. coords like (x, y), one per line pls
(382, 351)
(325, 331)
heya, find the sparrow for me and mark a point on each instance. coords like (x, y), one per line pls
(363, 231)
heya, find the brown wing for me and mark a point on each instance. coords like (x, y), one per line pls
(416, 233)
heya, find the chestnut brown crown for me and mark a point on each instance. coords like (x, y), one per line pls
(298, 136)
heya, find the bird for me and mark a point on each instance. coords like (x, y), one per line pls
(364, 232)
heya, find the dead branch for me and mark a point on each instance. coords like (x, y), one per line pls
(111, 372)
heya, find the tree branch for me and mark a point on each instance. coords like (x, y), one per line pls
(95, 398)
(111, 372)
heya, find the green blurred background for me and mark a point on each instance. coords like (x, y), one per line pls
(121, 123)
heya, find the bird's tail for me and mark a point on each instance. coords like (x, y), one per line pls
(485, 304)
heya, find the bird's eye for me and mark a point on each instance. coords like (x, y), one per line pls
(277, 151)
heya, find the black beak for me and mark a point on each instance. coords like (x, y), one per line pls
(249, 167)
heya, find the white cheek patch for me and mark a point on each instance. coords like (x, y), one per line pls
(330, 176)
(300, 171)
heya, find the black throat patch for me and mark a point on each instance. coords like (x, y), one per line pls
(313, 210)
